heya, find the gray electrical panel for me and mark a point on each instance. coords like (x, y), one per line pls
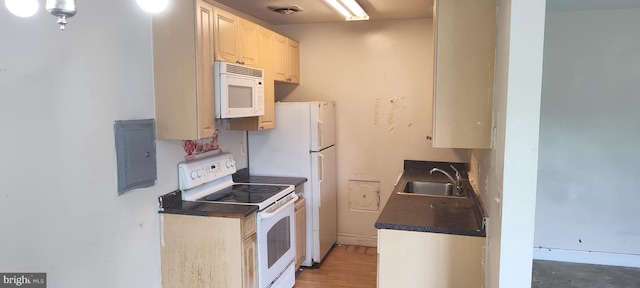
(135, 153)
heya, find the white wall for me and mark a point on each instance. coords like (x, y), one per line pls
(379, 74)
(507, 173)
(587, 209)
(60, 92)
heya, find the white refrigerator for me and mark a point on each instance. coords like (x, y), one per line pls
(303, 145)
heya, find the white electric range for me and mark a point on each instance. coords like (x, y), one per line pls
(209, 180)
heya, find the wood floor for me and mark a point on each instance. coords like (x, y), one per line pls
(355, 267)
(344, 266)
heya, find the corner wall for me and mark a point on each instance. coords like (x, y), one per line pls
(380, 74)
(507, 173)
(587, 210)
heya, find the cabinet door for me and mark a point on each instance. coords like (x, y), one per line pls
(280, 57)
(429, 259)
(293, 51)
(265, 39)
(204, 58)
(182, 71)
(248, 46)
(191, 253)
(250, 262)
(464, 53)
(301, 231)
(226, 33)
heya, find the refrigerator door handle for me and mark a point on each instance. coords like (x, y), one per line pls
(320, 177)
(320, 135)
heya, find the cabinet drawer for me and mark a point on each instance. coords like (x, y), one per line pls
(248, 225)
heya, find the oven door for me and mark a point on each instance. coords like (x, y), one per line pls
(276, 244)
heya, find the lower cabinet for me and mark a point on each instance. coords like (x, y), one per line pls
(301, 231)
(198, 251)
(420, 259)
(250, 261)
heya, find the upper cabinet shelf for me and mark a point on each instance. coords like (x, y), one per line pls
(464, 55)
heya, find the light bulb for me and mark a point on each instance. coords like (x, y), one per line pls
(153, 6)
(22, 8)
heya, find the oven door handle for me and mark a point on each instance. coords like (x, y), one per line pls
(268, 215)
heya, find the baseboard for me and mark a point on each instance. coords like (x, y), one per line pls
(586, 257)
(357, 240)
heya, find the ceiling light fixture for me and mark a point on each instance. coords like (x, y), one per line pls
(350, 9)
(153, 6)
(64, 9)
(22, 8)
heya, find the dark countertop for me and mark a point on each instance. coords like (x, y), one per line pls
(172, 203)
(437, 214)
(242, 176)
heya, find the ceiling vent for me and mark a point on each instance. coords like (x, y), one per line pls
(286, 10)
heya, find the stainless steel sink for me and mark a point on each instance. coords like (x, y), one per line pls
(428, 188)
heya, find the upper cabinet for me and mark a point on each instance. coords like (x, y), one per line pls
(287, 59)
(293, 52)
(464, 55)
(249, 45)
(266, 63)
(183, 55)
(236, 39)
(187, 39)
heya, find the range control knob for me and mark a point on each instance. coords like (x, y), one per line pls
(200, 173)
(231, 164)
(194, 174)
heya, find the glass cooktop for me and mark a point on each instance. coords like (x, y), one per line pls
(244, 193)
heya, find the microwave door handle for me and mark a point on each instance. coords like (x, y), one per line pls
(270, 214)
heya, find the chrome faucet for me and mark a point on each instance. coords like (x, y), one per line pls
(455, 181)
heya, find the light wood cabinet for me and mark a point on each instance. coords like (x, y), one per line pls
(250, 261)
(301, 231)
(287, 59)
(293, 51)
(280, 56)
(198, 251)
(236, 39)
(266, 63)
(249, 43)
(464, 55)
(419, 259)
(183, 55)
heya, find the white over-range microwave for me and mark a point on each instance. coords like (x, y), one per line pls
(239, 90)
